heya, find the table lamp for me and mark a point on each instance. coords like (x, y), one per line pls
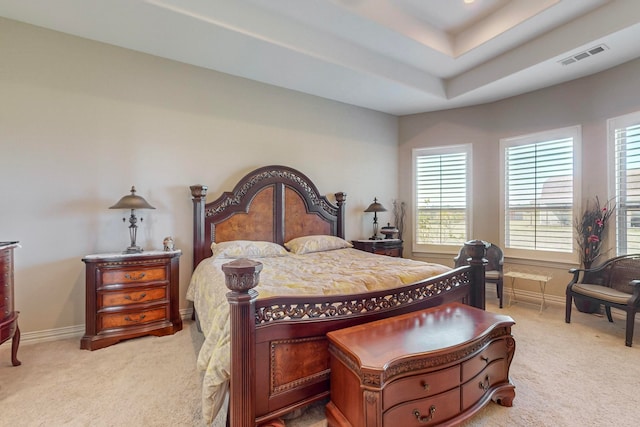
(375, 207)
(133, 202)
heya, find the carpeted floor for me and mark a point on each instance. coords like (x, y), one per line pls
(579, 374)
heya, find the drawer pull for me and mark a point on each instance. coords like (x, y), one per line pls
(140, 298)
(426, 386)
(130, 277)
(139, 319)
(425, 418)
(485, 359)
(484, 385)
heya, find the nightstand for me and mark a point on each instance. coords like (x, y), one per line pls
(389, 247)
(131, 295)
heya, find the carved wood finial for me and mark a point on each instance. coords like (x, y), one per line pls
(199, 191)
(242, 274)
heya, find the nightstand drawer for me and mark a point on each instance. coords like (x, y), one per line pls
(388, 247)
(396, 252)
(138, 275)
(111, 299)
(136, 318)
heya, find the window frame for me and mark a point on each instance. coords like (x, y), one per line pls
(467, 149)
(613, 124)
(574, 132)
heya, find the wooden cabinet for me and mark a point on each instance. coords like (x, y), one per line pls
(389, 247)
(433, 367)
(131, 295)
(8, 314)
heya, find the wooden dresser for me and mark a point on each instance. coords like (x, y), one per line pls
(8, 314)
(389, 247)
(433, 367)
(131, 295)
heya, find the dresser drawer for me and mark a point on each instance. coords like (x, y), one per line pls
(134, 318)
(472, 391)
(134, 275)
(420, 386)
(424, 412)
(134, 296)
(494, 351)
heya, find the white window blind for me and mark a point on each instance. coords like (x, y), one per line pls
(539, 192)
(625, 132)
(441, 195)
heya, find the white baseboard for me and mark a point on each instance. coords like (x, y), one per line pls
(71, 331)
(52, 334)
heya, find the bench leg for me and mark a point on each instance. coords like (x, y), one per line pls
(631, 317)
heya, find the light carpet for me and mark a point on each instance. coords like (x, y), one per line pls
(578, 374)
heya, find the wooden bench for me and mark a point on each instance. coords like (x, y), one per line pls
(436, 366)
(613, 284)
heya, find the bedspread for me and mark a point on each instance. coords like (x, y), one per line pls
(342, 271)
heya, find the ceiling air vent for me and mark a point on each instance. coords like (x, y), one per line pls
(582, 55)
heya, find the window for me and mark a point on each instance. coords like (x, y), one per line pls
(539, 190)
(624, 143)
(441, 197)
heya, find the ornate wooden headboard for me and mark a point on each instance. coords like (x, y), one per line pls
(272, 203)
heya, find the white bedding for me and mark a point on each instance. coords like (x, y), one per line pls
(319, 273)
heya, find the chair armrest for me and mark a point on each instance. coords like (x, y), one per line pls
(636, 291)
(576, 274)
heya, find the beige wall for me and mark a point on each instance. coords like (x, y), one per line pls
(80, 122)
(588, 102)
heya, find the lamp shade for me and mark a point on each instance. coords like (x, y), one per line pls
(132, 201)
(375, 207)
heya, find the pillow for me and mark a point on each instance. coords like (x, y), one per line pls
(247, 249)
(308, 244)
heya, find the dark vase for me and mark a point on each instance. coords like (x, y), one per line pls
(586, 306)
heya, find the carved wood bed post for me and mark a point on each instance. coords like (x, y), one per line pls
(477, 250)
(340, 199)
(199, 196)
(241, 276)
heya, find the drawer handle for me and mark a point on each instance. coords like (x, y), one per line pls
(426, 418)
(129, 319)
(484, 385)
(130, 277)
(485, 359)
(140, 298)
(426, 386)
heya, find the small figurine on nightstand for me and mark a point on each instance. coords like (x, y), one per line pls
(168, 243)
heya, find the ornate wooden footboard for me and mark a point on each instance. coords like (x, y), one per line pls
(279, 350)
(280, 358)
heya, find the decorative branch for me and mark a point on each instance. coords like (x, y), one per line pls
(590, 230)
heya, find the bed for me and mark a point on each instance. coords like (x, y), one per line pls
(268, 348)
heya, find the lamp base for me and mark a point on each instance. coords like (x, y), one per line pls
(133, 250)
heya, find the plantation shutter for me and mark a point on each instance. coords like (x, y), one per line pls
(627, 169)
(441, 197)
(539, 195)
